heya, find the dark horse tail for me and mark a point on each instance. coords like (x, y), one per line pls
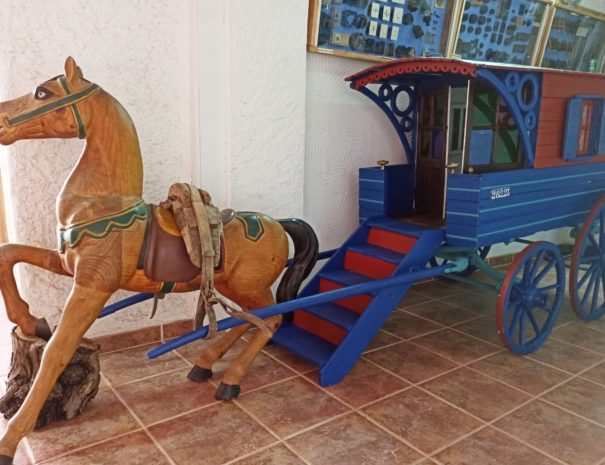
(306, 247)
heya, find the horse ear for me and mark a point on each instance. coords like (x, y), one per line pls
(72, 70)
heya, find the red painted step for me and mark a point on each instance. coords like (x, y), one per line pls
(368, 266)
(391, 240)
(357, 303)
(319, 327)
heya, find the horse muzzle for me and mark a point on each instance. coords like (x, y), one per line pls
(5, 127)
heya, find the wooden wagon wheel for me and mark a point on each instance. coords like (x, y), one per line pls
(530, 298)
(587, 275)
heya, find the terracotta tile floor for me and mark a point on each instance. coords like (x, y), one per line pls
(434, 387)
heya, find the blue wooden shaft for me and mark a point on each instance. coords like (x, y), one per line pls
(302, 302)
(127, 302)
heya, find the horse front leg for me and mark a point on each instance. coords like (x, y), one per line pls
(230, 385)
(81, 310)
(16, 308)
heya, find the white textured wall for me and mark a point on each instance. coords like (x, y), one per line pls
(140, 52)
(345, 131)
(253, 73)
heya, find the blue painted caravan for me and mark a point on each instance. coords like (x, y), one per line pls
(494, 154)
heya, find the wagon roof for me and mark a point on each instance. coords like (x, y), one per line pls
(415, 68)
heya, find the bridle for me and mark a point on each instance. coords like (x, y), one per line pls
(71, 99)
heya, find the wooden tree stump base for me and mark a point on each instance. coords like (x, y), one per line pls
(77, 385)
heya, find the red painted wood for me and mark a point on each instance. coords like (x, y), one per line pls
(557, 89)
(391, 240)
(368, 266)
(320, 328)
(392, 68)
(356, 303)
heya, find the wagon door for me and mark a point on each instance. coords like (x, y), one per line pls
(432, 152)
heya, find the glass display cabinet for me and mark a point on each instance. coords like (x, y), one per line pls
(383, 28)
(575, 42)
(504, 31)
(561, 34)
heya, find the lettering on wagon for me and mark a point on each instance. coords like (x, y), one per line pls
(500, 193)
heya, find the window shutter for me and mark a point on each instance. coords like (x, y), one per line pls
(601, 130)
(572, 128)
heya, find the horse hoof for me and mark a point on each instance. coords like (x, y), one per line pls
(227, 391)
(6, 460)
(43, 331)
(199, 374)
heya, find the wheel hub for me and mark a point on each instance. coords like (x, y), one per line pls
(534, 298)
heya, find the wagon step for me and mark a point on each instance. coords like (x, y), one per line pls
(334, 335)
(304, 344)
(334, 313)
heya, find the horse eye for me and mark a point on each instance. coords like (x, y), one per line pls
(42, 93)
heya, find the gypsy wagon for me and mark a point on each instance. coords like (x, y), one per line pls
(494, 154)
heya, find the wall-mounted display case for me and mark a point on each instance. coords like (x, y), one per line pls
(575, 41)
(564, 34)
(384, 28)
(505, 31)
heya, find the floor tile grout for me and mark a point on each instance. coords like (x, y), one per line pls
(140, 422)
(307, 376)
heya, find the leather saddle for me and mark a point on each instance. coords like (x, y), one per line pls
(164, 255)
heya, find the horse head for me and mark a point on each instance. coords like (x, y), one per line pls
(51, 111)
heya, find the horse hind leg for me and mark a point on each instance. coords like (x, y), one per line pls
(16, 308)
(202, 370)
(81, 310)
(239, 367)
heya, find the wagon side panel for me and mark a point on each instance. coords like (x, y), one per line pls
(557, 89)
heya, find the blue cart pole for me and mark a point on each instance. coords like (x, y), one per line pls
(303, 302)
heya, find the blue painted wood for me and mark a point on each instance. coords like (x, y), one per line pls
(485, 209)
(572, 128)
(127, 302)
(374, 316)
(379, 252)
(343, 277)
(481, 146)
(316, 299)
(304, 344)
(386, 192)
(398, 226)
(529, 303)
(601, 129)
(334, 313)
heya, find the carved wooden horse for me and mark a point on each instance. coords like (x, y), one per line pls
(102, 226)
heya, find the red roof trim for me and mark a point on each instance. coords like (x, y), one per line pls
(411, 66)
(419, 65)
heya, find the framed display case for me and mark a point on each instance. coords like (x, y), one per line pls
(563, 34)
(576, 41)
(503, 31)
(381, 28)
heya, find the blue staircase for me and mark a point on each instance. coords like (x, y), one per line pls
(333, 335)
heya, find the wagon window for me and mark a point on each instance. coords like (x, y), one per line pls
(492, 141)
(584, 127)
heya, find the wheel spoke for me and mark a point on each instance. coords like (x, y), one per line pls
(536, 265)
(549, 266)
(534, 323)
(517, 291)
(589, 288)
(588, 273)
(549, 288)
(601, 223)
(522, 329)
(515, 320)
(594, 242)
(595, 293)
(526, 272)
(590, 258)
